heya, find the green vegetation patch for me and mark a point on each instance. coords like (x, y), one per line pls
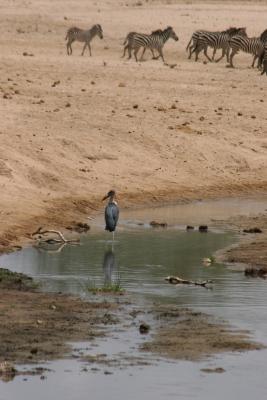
(15, 280)
(110, 288)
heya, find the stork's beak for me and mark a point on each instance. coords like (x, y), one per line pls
(105, 197)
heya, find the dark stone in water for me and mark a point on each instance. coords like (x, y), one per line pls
(156, 224)
(189, 227)
(79, 227)
(203, 228)
(217, 370)
(144, 328)
(252, 230)
(256, 272)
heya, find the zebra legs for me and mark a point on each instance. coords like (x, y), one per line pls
(190, 52)
(85, 44)
(69, 48)
(223, 54)
(264, 70)
(228, 54)
(135, 54)
(129, 53)
(153, 55)
(254, 60)
(206, 54)
(233, 53)
(124, 50)
(213, 54)
(84, 47)
(161, 54)
(197, 50)
(141, 58)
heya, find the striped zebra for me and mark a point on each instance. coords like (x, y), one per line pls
(154, 41)
(193, 41)
(128, 44)
(84, 36)
(216, 40)
(252, 46)
(263, 36)
(264, 59)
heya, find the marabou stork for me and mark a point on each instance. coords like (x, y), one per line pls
(111, 212)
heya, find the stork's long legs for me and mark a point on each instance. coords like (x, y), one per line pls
(113, 234)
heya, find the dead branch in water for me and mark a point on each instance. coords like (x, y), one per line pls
(61, 239)
(175, 280)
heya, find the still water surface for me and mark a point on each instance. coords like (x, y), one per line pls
(140, 259)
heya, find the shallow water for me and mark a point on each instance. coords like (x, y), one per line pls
(140, 259)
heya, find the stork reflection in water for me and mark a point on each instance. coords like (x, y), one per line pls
(109, 266)
(111, 212)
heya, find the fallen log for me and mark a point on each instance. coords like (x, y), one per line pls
(175, 280)
(61, 239)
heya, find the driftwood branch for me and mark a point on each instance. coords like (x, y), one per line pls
(175, 280)
(40, 232)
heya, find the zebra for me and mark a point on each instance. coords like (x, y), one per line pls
(84, 36)
(263, 36)
(128, 44)
(217, 40)
(248, 45)
(153, 41)
(263, 59)
(193, 41)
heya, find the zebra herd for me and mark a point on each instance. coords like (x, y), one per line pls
(230, 41)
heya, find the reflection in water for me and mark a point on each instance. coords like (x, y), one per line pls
(50, 248)
(109, 265)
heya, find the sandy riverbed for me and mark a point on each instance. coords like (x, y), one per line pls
(198, 130)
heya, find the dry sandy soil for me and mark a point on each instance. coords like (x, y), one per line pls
(198, 130)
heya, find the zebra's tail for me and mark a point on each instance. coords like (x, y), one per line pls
(126, 39)
(187, 47)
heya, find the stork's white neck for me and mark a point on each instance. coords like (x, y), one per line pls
(112, 201)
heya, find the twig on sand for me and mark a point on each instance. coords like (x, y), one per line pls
(175, 280)
(40, 232)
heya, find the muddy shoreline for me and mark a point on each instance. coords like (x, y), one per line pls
(251, 248)
(37, 327)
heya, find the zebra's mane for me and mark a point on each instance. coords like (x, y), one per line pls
(157, 32)
(231, 31)
(74, 29)
(97, 26)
